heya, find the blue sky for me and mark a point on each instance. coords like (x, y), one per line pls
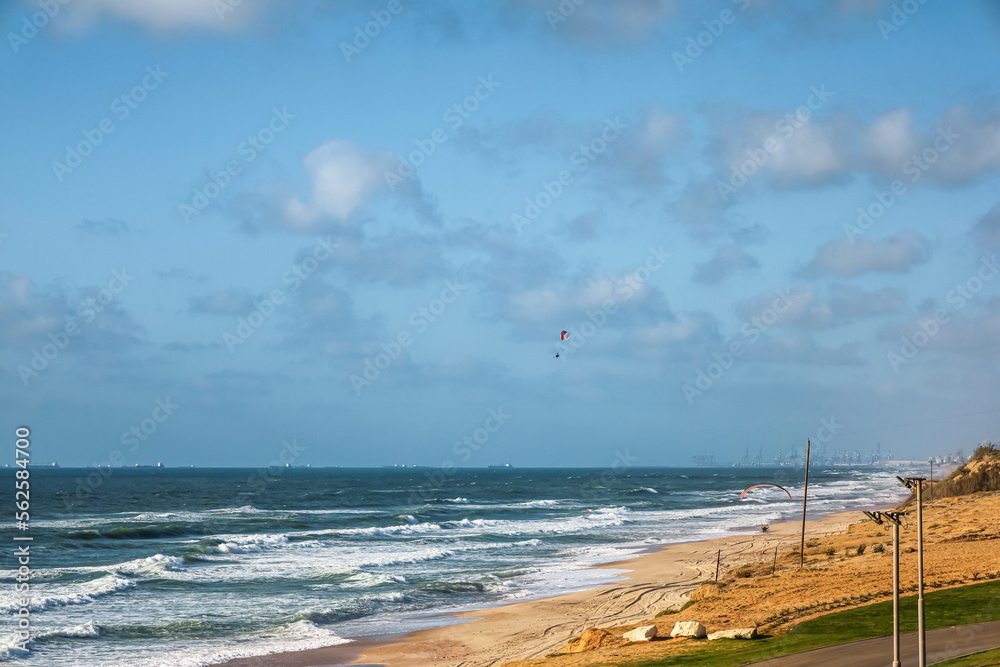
(761, 222)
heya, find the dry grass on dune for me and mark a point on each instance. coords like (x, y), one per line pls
(961, 542)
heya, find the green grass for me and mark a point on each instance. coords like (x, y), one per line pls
(984, 659)
(975, 603)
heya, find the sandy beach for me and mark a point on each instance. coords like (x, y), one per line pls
(961, 547)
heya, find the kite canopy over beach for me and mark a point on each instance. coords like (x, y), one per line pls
(757, 486)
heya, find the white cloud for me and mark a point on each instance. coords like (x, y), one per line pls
(846, 259)
(343, 178)
(812, 155)
(890, 140)
(957, 148)
(605, 22)
(846, 304)
(164, 15)
(728, 260)
(976, 147)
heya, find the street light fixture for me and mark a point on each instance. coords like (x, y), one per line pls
(893, 518)
(917, 483)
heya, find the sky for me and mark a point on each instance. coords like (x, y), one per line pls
(351, 233)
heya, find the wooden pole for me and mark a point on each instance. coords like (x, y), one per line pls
(805, 493)
(921, 629)
(718, 560)
(895, 591)
(775, 563)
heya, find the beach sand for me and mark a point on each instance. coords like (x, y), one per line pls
(961, 538)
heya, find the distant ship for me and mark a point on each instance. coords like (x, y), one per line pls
(499, 465)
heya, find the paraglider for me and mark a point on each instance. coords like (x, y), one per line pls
(749, 488)
(563, 336)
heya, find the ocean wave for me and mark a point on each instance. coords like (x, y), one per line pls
(365, 579)
(84, 631)
(299, 635)
(396, 558)
(244, 544)
(537, 503)
(62, 595)
(150, 565)
(404, 529)
(148, 532)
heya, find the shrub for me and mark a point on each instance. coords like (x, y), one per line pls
(985, 451)
(878, 548)
(830, 551)
(861, 550)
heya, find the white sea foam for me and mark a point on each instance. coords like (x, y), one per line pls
(50, 596)
(405, 529)
(151, 565)
(537, 503)
(83, 631)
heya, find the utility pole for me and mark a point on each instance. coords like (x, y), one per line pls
(917, 483)
(805, 493)
(894, 519)
(718, 560)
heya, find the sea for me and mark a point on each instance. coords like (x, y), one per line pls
(190, 567)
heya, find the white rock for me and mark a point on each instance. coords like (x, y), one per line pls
(736, 633)
(688, 629)
(643, 634)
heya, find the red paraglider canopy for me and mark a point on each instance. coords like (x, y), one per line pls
(749, 488)
(564, 335)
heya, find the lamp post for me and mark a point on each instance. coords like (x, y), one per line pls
(917, 483)
(893, 518)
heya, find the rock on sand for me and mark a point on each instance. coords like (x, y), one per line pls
(736, 633)
(641, 634)
(688, 629)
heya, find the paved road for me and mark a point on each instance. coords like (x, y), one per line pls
(942, 644)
